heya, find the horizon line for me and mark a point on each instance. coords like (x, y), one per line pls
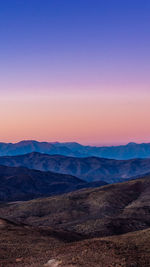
(80, 143)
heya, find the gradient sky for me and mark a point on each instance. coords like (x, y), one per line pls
(75, 70)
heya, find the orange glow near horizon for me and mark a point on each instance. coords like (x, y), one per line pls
(106, 117)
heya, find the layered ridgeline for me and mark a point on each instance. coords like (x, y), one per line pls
(129, 151)
(18, 183)
(89, 169)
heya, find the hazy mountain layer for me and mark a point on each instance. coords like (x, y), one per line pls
(90, 169)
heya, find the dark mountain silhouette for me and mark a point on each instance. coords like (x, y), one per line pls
(129, 151)
(23, 184)
(89, 169)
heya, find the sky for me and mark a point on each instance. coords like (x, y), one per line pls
(75, 71)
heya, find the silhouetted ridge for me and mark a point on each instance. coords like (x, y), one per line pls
(20, 183)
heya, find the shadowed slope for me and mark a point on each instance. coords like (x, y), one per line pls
(23, 184)
(18, 183)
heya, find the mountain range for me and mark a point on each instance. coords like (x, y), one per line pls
(89, 169)
(129, 151)
(61, 206)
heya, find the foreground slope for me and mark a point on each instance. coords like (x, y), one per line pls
(24, 246)
(89, 169)
(108, 210)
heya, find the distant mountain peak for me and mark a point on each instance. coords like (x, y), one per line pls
(132, 143)
(27, 141)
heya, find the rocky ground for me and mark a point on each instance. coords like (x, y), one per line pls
(25, 246)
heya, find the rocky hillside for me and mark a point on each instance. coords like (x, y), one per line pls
(22, 246)
(107, 226)
(108, 210)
